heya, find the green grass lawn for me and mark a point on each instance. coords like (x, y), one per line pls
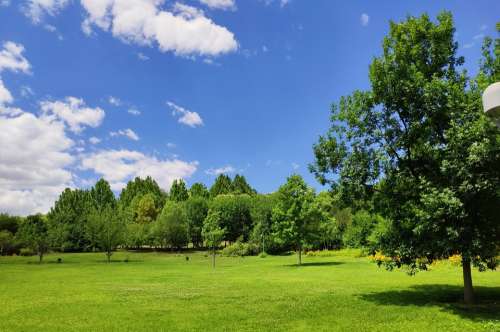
(164, 292)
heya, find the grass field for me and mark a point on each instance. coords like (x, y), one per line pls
(164, 292)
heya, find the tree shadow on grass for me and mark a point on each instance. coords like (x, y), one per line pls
(315, 264)
(448, 297)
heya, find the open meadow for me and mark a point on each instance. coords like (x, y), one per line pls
(165, 292)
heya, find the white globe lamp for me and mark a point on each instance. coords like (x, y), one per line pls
(491, 102)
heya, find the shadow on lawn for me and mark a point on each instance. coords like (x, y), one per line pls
(315, 264)
(447, 297)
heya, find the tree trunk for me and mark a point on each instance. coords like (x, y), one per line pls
(40, 257)
(468, 289)
(109, 256)
(213, 257)
(300, 254)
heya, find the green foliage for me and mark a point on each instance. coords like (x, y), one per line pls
(234, 211)
(9, 223)
(106, 229)
(240, 249)
(67, 219)
(102, 195)
(212, 232)
(241, 186)
(6, 242)
(295, 220)
(171, 228)
(137, 235)
(198, 189)
(261, 211)
(221, 186)
(359, 231)
(196, 211)
(146, 211)
(34, 232)
(140, 187)
(419, 145)
(178, 191)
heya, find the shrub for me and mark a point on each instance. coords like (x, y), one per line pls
(240, 249)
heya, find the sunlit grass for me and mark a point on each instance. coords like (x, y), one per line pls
(165, 292)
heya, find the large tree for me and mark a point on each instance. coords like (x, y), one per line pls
(295, 218)
(419, 143)
(68, 218)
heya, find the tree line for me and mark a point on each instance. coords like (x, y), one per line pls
(230, 212)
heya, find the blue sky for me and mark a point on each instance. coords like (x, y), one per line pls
(124, 88)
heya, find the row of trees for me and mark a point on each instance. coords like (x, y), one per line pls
(144, 216)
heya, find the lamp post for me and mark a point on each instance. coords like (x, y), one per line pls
(491, 102)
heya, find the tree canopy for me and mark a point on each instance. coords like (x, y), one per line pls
(418, 144)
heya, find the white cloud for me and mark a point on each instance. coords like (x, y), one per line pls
(5, 95)
(364, 19)
(184, 30)
(219, 4)
(171, 145)
(187, 117)
(265, 49)
(94, 140)
(125, 132)
(142, 56)
(74, 112)
(36, 10)
(134, 111)
(295, 166)
(33, 163)
(469, 45)
(114, 101)
(119, 166)
(4, 3)
(11, 58)
(221, 170)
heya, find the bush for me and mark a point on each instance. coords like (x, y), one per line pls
(240, 249)
(26, 252)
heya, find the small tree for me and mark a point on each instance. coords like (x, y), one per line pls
(105, 229)
(212, 232)
(35, 233)
(294, 218)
